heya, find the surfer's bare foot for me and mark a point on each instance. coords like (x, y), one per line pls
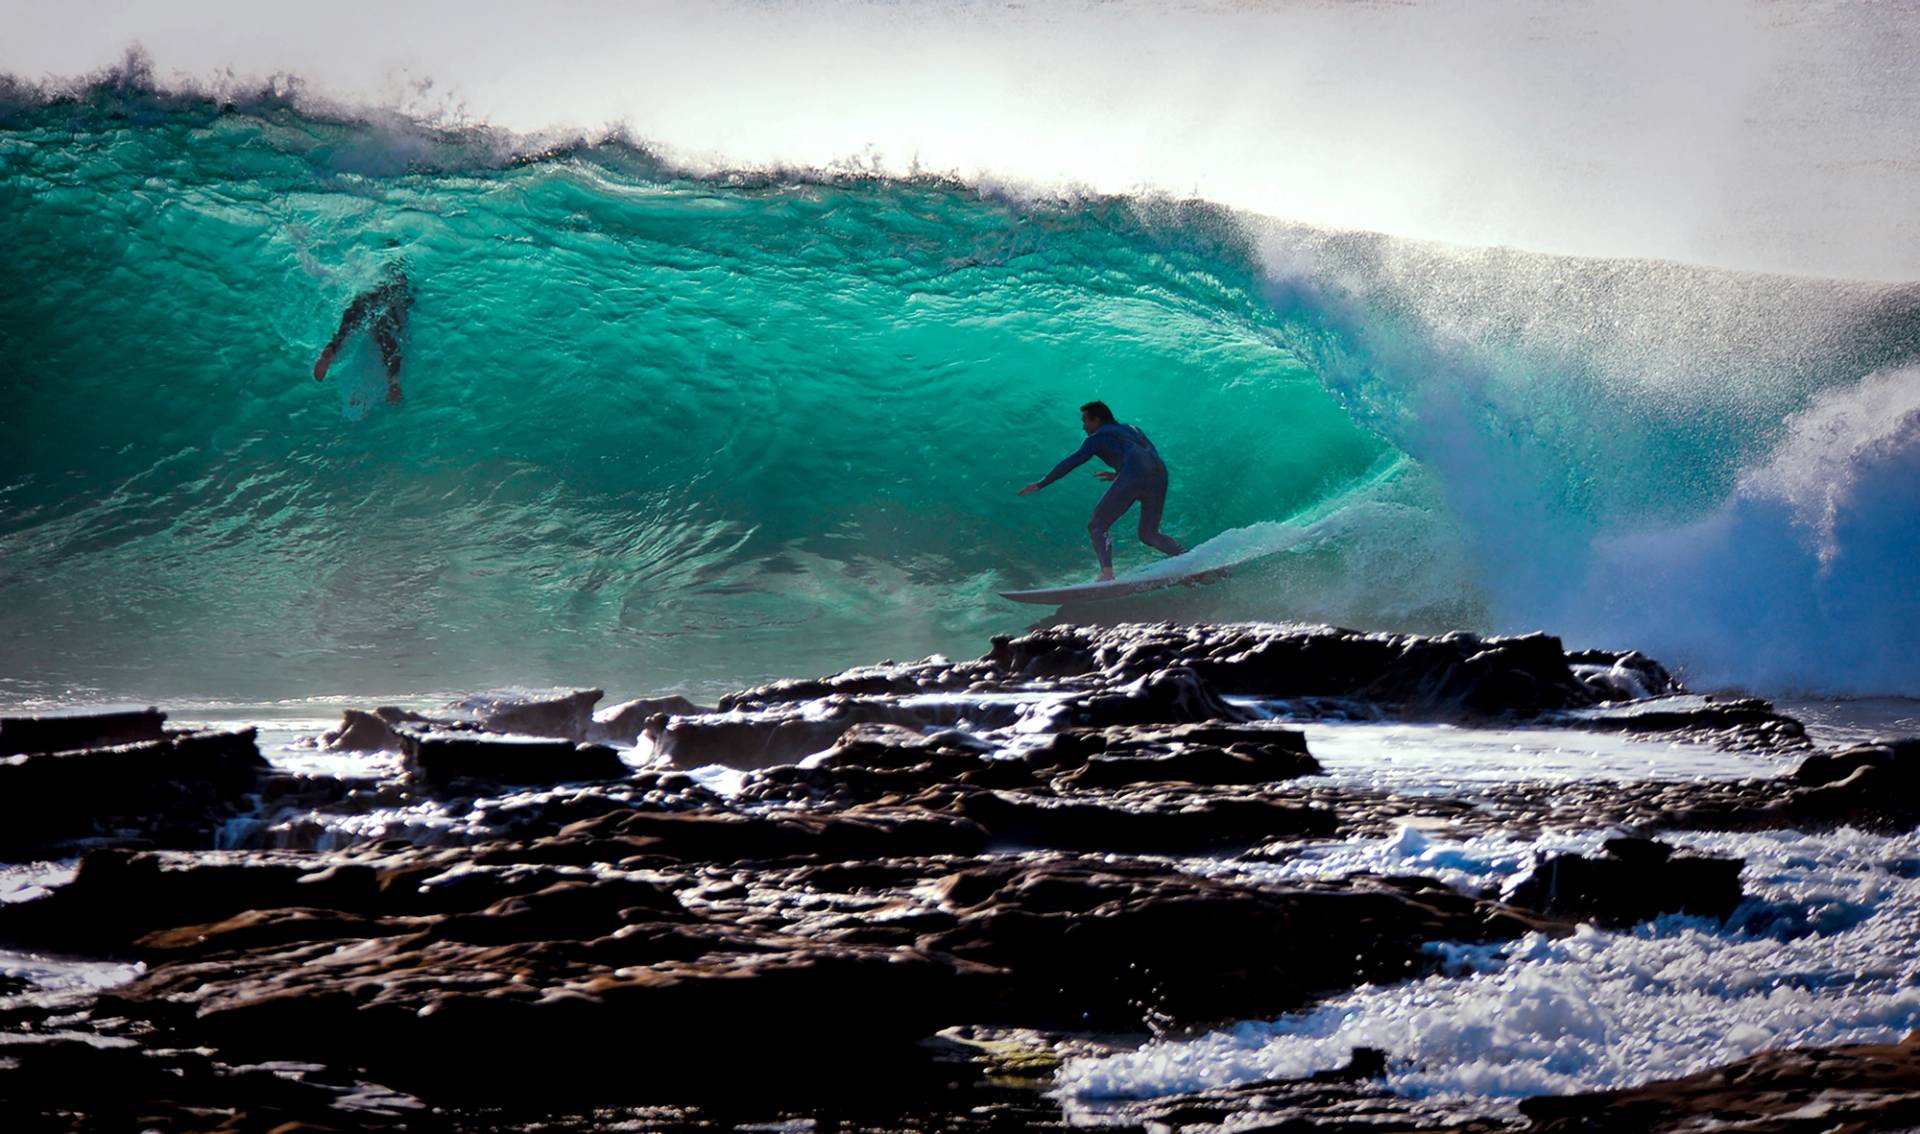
(1105, 577)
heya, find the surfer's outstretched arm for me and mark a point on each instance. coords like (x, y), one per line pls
(1075, 460)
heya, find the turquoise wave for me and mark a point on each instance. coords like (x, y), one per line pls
(664, 432)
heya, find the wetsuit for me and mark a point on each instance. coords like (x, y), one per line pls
(383, 310)
(1141, 476)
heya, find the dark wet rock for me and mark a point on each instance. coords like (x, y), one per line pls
(964, 849)
(1140, 822)
(1117, 944)
(876, 761)
(511, 1022)
(364, 960)
(550, 712)
(1364, 1063)
(1876, 786)
(623, 723)
(873, 762)
(174, 791)
(863, 681)
(1174, 695)
(118, 896)
(562, 713)
(68, 1082)
(729, 836)
(82, 728)
(373, 730)
(1199, 754)
(1621, 676)
(1898, 759)
(441, 757)
(1636, 880)
(1864, 786)
(1798, 1091)
(750, 740)
(1745, 724)
(1453, 676)
(762, 738)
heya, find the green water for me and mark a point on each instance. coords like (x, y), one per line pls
(656, 433)
(666, 433)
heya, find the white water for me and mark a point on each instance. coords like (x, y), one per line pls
(1734, 132)
(1821, 953)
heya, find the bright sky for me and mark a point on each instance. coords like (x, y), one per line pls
(1782, 136)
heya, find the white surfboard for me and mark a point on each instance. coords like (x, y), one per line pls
(1152, 579)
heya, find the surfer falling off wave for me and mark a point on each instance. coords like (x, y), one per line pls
(1138, 475)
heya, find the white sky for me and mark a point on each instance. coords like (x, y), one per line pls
(1749, 133)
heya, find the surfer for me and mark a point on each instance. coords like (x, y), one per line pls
(383, 308)
(1138, 475)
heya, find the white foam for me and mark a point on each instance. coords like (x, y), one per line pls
(52, 973)
(1729, 131)
(1426, 757)
(1803, 578)
(1819, 954)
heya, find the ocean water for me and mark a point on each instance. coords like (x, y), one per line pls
(736, 327)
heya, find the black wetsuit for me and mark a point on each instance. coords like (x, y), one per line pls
(1140, 476)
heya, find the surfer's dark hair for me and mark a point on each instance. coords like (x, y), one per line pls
(1099, 411)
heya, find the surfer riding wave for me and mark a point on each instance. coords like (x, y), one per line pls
(1138, 476)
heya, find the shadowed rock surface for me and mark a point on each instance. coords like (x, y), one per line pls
(922, 886)
(1835, 1090)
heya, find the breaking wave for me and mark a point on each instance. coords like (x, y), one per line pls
(666, 431)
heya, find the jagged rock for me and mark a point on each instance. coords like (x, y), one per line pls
(935, 864)
(1200, 754)
(1347, 1100)
(1110, 944)
(1743, 724)
(79, 728)
(871, 762)
(1188, 822)
(69, 1080)
(1802, 1091)
(563, 713)
(1616, 676)
(1452, 676)
(172, 791)
(623, 723)
(712, 835)
(365, 960)
(440, 757)
(1875, 786)
(1638, 879)
(1174, 695)
(372, 730)
(861, 681)
(763, 738)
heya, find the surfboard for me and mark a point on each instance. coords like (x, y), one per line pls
(1152, 579)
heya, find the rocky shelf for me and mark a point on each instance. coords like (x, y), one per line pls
(934, 881)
